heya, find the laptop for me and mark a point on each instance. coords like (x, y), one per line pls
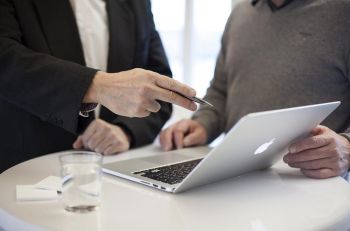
(255, 142)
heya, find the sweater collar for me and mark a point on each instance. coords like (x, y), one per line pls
(272, 5)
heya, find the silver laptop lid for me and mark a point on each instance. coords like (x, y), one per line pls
(256, 142)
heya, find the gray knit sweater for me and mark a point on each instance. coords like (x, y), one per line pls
(295, 56)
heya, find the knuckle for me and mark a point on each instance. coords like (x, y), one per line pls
(151, 76)
(90, 145)
(178, 130)
(330, 139)
(315, 140)
(144, 90)
(297, 147)
(173, 96)
(337, 152)
(324, 174)
(109, 129)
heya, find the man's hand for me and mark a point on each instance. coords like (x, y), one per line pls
(104, 138)
(325, 154)
(184, 133)
(135, 93)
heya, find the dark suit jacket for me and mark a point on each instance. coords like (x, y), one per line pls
(43, 78)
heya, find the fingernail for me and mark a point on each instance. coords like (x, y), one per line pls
(193, 107)
(292, 149)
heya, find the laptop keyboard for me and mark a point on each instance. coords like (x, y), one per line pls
(170, 174)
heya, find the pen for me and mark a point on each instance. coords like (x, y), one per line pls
(197, 100)
(200, 101)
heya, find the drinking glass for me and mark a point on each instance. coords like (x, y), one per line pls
(81, 181)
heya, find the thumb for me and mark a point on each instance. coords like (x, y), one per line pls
(317, 130)
(193, 139)
(78, 143)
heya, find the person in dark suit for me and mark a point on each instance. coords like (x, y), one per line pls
(49, 81)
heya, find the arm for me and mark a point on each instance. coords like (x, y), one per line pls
(324, 154)
(212, 118)
(38, 83)
(53, 89)
(144, 131)
(208, 122)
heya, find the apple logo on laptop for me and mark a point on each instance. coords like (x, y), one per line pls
(264, 147)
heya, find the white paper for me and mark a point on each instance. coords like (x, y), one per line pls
(50, 183)
(31, 193)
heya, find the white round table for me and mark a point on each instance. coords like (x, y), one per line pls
(276, 199)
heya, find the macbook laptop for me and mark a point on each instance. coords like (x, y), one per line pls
(256, 142)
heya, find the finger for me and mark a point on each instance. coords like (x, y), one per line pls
(143, 113)
(152, 106)
(194, 138)
(319, 173)
(181, 129)
(105, 143)
(78, 143)
(173, 85)
(174, 98)
(95, 139)
(113, 149)
(310, 143)
(89, 132)
(178, 138)
(166, 139)
(315, 164)
(318, 130)
(308, 155)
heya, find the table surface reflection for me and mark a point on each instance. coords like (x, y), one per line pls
(279, 198)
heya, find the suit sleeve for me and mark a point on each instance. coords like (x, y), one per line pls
(213, 118)
(144, 130)
(47, 87)
(347, 132)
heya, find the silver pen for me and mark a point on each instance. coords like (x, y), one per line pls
(200, 101)
(197, 100)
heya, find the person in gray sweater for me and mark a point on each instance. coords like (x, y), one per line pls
(277, 54)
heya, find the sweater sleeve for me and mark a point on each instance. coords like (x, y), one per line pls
(213, 118)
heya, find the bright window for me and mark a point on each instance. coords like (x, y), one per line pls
(191, 32)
